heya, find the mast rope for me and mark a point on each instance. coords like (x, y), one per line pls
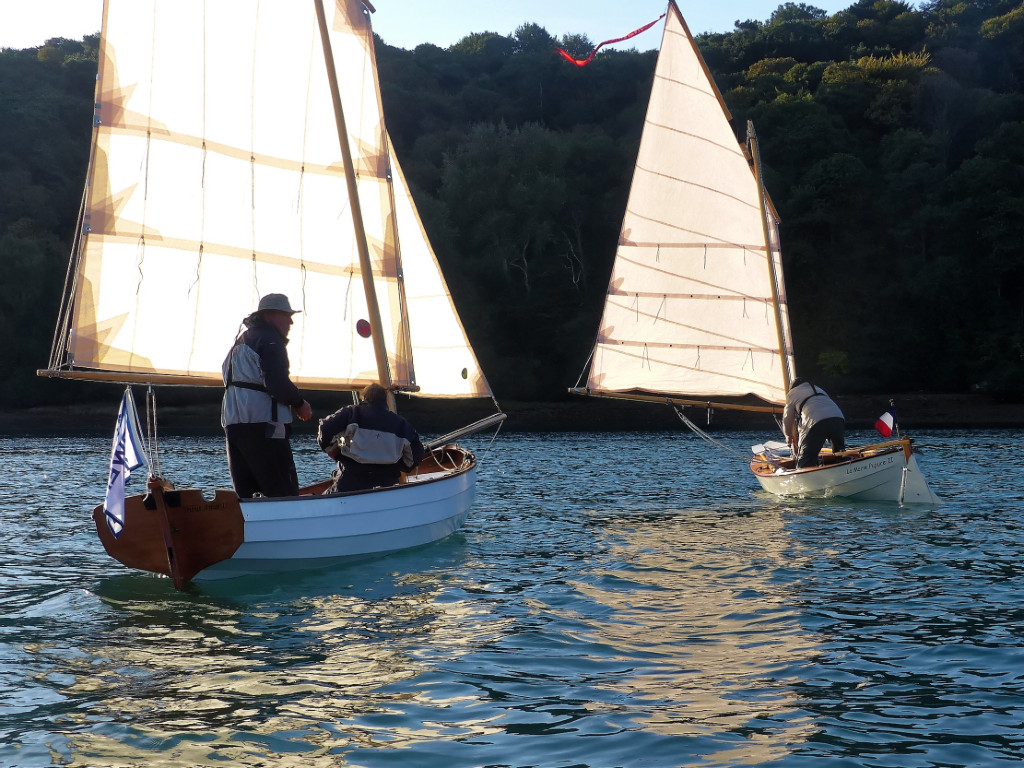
(702, 434)
(153, 445)
(589, 358)
(493, 438)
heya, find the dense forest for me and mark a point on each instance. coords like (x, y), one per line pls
(893, 143)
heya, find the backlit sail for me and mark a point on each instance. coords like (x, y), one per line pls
(696, 304)
(217, 177)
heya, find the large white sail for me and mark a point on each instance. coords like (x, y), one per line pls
(217, 177)
(690, 308)
(445, 365)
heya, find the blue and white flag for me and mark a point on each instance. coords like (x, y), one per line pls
(126, 455)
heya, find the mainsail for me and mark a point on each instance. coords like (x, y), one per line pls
(217, 176)
(696, 304)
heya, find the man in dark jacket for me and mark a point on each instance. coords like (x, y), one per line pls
(375, 446)
(259, 398)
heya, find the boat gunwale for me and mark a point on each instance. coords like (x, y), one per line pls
(469, 463)
(762, 467)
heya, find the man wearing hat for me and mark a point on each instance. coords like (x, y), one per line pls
(259, 398)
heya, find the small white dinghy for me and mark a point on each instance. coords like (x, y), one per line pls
(885, 471)
(188, 536)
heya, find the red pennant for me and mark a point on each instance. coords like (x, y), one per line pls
(634, 33)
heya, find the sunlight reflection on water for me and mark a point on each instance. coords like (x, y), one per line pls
(626, 599)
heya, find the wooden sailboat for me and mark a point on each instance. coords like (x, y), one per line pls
(696, 311)
(240, 149)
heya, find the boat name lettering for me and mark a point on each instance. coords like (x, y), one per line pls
(870, 465)
(205, 507)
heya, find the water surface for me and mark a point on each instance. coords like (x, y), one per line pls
(613, 600)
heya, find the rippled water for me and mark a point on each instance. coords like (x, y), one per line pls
(613, 600)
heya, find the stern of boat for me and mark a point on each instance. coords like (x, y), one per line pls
(174, 533)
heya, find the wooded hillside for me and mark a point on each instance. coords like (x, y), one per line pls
(893, 143)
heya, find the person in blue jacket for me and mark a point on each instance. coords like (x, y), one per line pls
(371, 444)
(259, 400)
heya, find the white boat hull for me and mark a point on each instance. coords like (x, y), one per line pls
(190, 536)
(890, 474)
(318, 531)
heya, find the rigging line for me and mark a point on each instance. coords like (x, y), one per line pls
(199, 267)
(704, 435)
(302, 338)
(348, 292)
(585, 364)
(140, 258)
(155, 467)
(664, 300)
(202, 194)
(252, 207)
(255, 276)
(300, 192)
(60, 346)
(252, 147)
(141, 250)
(494, 436)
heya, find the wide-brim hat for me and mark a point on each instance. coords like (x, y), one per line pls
(277, 301)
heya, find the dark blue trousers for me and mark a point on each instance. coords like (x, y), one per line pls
(833, 430)
(260, 464)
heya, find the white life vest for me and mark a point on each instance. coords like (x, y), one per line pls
(373, 446)
(246, 400)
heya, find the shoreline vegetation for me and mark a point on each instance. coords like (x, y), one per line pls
(892, 138)
(578, 414)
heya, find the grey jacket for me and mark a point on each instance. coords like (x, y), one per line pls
(806, 405)
(257, 383)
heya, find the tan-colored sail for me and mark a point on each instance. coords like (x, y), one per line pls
(217, 177)
(689, 308)
(445, 363)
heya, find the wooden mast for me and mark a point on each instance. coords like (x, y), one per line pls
(376, 331)
(755, 158)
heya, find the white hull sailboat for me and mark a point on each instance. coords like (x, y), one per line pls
(879, 472)
(240, 149)
(226, 537)
(696, 311)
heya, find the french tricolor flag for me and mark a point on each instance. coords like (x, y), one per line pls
(886, 423)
